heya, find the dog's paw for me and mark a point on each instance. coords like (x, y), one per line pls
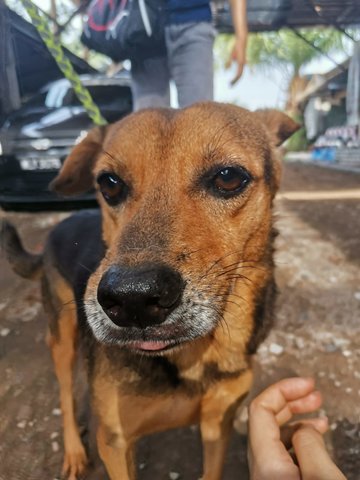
(75, 462)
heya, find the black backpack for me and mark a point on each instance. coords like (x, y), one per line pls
(125, 29)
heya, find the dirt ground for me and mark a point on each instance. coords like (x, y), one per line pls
(317, 333)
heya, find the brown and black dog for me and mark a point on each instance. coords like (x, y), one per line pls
(173, 280)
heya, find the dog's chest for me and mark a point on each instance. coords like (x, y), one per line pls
(142, 414)
(153, 376)
(138, 395)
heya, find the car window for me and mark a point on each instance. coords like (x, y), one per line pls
(56, 95)
(103, 95)
(60, 94)
(37, 100)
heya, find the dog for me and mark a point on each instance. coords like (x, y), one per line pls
(172, 279)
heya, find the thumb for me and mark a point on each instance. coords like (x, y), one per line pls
(312, 456)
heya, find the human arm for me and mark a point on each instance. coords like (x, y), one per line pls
(238, 53)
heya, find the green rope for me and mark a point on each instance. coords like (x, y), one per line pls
(64, 63)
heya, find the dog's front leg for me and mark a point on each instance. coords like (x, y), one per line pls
(63, 346)
(117, 455)
(218, 408)
(114, 447)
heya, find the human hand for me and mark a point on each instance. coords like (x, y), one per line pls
(267, 453)
(237, 55)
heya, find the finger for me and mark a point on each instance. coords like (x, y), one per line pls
(278, 395)
(238, 74)
(260, 444)
(313, 458)
(321, 424)
(307, 404)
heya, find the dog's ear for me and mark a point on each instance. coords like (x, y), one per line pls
(76, 174)
(278, 124)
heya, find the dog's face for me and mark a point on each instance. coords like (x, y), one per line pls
(186, 200)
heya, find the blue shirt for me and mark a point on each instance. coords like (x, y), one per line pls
(186, 11)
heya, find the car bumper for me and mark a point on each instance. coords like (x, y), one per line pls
(19, 188)
(46, 202)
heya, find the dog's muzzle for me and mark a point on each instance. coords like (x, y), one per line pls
(139, 296)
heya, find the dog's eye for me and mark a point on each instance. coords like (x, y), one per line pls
(113, 189)
(230, 181)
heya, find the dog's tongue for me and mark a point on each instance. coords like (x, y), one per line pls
(150, 346)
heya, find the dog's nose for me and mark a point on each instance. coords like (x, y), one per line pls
(139, 296)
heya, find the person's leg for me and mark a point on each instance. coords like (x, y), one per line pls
(190, 59)
(150, 83)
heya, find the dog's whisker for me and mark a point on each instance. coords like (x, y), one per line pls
(219, 313)
(234, 276)
(243, 299)
(232, 273)
(237, 262)
(224, 271)
(85, 267)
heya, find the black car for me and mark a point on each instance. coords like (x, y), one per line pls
(35, 140)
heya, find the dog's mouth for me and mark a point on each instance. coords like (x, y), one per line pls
(189, 322)
(152, 346)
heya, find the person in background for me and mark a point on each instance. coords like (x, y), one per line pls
(268, 456)
(189, 37)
